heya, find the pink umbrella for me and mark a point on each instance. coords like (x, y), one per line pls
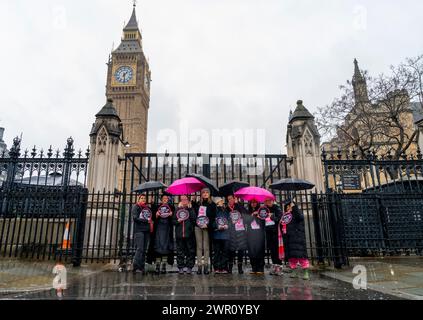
(185, 186)
(254, 193)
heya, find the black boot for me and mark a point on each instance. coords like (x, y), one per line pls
(157, 268)
(164, 268)
(206, 269)
(230, 268)
(200, 270)
(240, 271)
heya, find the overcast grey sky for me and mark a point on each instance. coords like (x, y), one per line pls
(216, 64)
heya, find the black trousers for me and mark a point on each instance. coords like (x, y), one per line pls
(220, 254)
(238, 254)
(185, 251)
(142, 241)
(257, 264)
(272, 245)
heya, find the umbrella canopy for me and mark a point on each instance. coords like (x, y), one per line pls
(254, 193)
(290, 184)
(231, 187)
(185, 186)
(214, 190)
(150, 186)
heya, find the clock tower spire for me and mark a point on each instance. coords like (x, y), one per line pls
(128, 84)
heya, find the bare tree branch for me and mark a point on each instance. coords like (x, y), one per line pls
(385, 121)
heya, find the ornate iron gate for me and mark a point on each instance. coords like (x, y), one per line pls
(373, 205)
(43, 203)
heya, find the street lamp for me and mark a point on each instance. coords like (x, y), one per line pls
(125, 143)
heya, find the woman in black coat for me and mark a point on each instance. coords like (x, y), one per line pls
(294, 239)
(143, 228)
(184, 221)
(237, 233)
(255, 238)
(163, 234)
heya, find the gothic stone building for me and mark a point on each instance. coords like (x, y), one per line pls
(365, 115)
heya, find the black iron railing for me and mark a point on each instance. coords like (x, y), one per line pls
(346, 172)
(258, 170)
(39, 168)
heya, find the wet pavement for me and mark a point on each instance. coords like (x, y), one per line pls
(398, 276)
(113, 285)
(20, 276)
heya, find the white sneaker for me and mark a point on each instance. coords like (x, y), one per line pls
(274, 271)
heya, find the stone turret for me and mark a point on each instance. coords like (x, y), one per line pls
(303, 144)
(359, 83)
(106, 147)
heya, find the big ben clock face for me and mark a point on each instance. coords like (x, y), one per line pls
(124, 74)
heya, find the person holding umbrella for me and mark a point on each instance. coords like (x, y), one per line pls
(205, 211)
(237, 232)
(184, 220)
(294, 244)
(291, 231)
(154, 187)
(163, 239)
(256, 224)
(255, 238)
(143, 228)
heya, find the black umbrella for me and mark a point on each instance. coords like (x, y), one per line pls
(214, 190)
(150, 186)
(231, 187)
(291, 184)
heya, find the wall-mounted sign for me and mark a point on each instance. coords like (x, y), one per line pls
(351, 182)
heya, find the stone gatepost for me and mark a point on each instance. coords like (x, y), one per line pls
(303, 144)
(103, 172)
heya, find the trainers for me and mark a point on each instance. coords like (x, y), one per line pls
(224, 271)
(280, 271)
(217, 271)
(188, 271)
(181, 271)
(274, 272)
(306, 275)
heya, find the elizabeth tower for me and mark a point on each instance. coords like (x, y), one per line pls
(128, 85)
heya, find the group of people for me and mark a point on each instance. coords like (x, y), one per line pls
(230, 231)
